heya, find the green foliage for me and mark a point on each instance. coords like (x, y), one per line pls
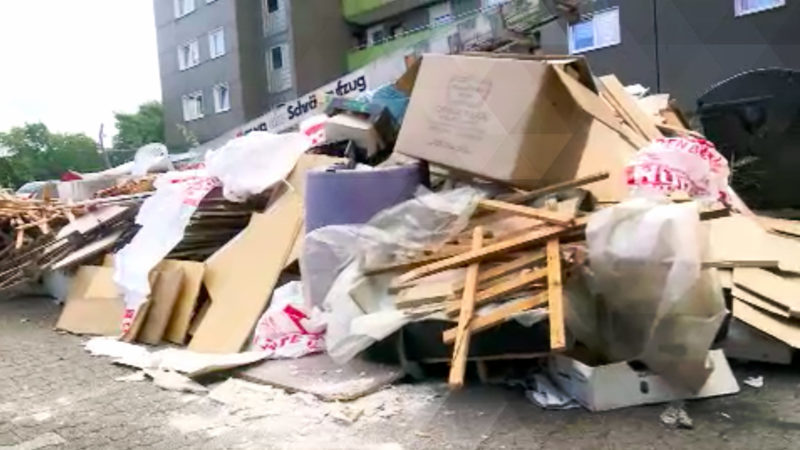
(36, 154)
(144, 127)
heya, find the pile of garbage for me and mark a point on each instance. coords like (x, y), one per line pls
(485, 208)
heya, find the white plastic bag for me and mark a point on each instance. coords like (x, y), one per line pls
(151, 157)
(163, 218)
(250, 164)
(686, 164)
(288, 329)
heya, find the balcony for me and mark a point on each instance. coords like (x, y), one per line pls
(466, 32)
(365, 12)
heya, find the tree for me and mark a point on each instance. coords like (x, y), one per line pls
(144, 127)
(34, 154)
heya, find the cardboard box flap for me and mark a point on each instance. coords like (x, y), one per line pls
(588, 100)
(570, 63)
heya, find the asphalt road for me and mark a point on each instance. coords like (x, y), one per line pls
(54, 395)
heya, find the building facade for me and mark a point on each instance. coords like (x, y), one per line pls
(225, 62)
(683, 47)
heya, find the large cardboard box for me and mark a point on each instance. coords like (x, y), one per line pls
(619, 385)
(525, 122)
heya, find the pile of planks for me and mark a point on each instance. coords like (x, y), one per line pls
(510, 256)
(27, 236)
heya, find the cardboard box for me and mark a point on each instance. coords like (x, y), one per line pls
(618, 385)
(524, 122)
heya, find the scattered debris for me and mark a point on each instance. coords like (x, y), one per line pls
(755, 382)
(675, 416)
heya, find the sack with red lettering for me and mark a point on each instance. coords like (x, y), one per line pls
(685, 164)
(288, 329)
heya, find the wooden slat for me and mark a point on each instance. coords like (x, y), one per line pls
(498, 316)
(526, 211)
(554, 188)
(637, 116)
(555, 293)
(458, 365)
(413, 263)
(528, 239)
(498, 291)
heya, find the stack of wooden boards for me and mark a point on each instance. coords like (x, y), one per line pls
(764, 278)
(509, 255)
(28, 230)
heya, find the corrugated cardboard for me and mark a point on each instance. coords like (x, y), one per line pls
(522, 122)
(165, 293)
(240, 277)
(178, 325)
(618, 385)
(93, 304)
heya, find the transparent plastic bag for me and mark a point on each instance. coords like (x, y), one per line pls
(655, 302)
(359, 311)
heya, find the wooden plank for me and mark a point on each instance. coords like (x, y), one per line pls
(527, 260)
(458, 364)
(554, 188)
(413, 263)
(498, 316)
(558, 340)
(780, 290)
(424, 294)
(526, 240)
(640, 119)
(498, 291)
(526, 211)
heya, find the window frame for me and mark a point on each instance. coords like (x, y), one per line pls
(183, 67)
(740, 11)
(595, 45)
(211, 45)
(215, 91)
(272, 67)
(184, 100)
(176, 5)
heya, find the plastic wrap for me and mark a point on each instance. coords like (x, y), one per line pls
(163, 218)
(250, 164)
(359, 310)
(655, 302)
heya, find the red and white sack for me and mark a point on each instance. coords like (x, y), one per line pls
(288, 329)
(683, 164)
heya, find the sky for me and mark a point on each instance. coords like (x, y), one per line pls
(72, 63)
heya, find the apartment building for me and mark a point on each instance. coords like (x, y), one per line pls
(225, 62)
(683, 47)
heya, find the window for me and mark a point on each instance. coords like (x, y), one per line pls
(188, 55)
(193, 106)
(745, 7)
(216, 43)
(279, 73)
(600, 31)
(182, 7)
(272, 6)
(222, 98)
(276, 58)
